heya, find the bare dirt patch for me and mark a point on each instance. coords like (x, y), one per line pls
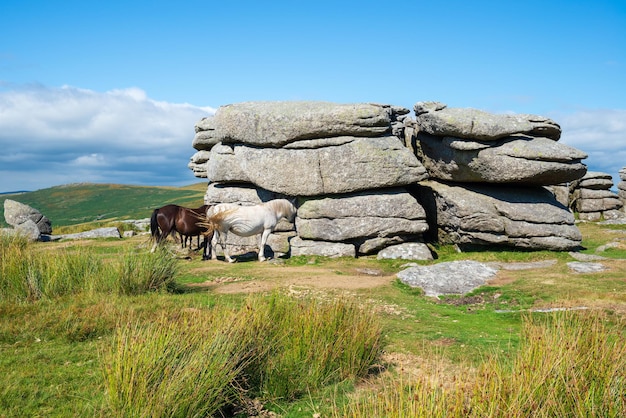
(299, 276)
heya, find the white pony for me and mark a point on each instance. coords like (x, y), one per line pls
(247, 221)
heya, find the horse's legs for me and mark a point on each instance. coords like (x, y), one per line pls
(222, 238)
(213, 243)
(264, 236)
(207, 246)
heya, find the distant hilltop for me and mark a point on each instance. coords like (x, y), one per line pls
(16, 192)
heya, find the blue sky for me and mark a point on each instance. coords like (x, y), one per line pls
(110, 91)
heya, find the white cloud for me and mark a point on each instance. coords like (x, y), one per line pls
(91, 160)
(47, 134)
(601, 133)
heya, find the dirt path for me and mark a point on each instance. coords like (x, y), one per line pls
(300, 276)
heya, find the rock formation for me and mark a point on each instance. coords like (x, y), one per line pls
(342, 162)
(591, 197)
(486, 173)
(361, 175)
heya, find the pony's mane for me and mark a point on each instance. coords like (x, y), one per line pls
(282, 205)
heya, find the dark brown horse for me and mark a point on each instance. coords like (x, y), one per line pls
(169, 219)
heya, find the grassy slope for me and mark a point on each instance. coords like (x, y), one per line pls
(80, 203)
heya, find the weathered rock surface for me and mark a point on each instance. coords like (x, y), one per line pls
(490, 215)
(274, 124)
(518, 159)
(592, 198)
(358, 216)
(27, 229)
(352, 164)
(301, 246)
(406, 251)
(198, 163)
(585, 267)
(452, 278)
(205, 136)
(16, 213)
(437, 119)
(105, 232)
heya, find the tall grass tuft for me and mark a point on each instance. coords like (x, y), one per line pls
(310, 343)
(182, 367)
(569, 365)
(29, 275)
(204, 360)
(144, 272)
(13, 267)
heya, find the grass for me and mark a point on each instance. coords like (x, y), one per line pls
(68, 311)
(569, 364)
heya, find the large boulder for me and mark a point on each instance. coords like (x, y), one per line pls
(301, 247)
(474, 216)
(16, 213)
(518, 159)
(469, 145)
(319, 167)
(274, 124)
(437, 119)
(359, 216)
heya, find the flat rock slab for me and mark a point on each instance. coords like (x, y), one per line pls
(516, 159)
(523, 266)
(107, 232)
(452, 278)
(275, 124)
(585, 267)
(585, 257)
(436, 118)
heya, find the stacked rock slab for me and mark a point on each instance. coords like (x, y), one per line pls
(591, 197)
(621, 186)
(342, 161)
(203, 141)
(487, 175)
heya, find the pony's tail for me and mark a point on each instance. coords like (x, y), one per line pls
(154, 226)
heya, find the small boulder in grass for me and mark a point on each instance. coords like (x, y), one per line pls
(452, 278)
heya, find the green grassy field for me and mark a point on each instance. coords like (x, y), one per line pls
(83, 203)
(67, 307)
